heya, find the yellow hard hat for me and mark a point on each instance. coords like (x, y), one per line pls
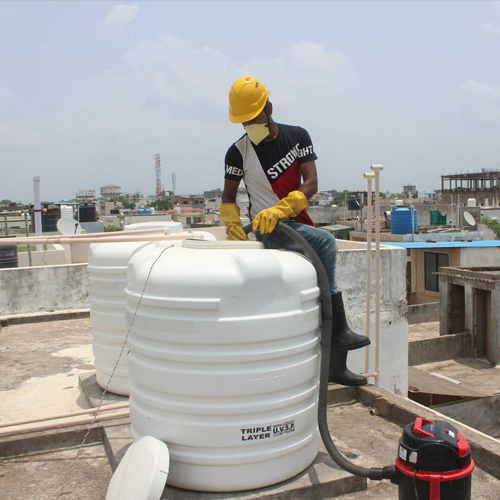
(247, 99)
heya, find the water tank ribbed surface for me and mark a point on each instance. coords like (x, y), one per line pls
(401, 220)
(50, 218)
(224, 362)
(87, 213)
(107, 281)
(66, 211)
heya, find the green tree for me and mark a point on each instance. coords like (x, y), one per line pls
(161, 204)
(5, 202)
(339, 199)
(493, 225)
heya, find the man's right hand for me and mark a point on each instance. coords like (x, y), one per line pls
(230, 215)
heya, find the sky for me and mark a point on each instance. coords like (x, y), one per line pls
(90, 91)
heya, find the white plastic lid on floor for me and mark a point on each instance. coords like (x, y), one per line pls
(142, 473)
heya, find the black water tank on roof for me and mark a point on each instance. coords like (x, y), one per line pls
(87, 213)
(354, 202)
(50, 217)
(8, 255)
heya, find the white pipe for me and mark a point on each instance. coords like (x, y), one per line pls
(368, 176)
(377, 169)
(70, 414)
(68, 423)
(121, 234)
(37, 206)
(65, 240)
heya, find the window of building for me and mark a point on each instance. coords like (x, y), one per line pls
(433, 261)
(188, 220)
(197, 220)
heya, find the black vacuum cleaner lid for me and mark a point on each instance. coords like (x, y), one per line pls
(433, 446)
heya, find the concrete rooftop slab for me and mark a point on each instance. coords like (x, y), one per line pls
(475, 374)
(27, 354)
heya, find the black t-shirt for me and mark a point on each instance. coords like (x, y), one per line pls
(271, 169)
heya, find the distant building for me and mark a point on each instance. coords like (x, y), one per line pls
(85, 195)
(213, 193)
(134, 197)
(111, 192)
(409, 191)
(484, 187)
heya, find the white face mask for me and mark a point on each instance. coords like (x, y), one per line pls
(257, 132)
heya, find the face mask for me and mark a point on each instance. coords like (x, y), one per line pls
(257, 132)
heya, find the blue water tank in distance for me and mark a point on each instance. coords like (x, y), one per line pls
(401, 220)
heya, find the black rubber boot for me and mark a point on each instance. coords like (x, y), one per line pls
(343, 337)
(340, 374)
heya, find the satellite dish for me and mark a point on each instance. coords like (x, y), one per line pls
(469, 218)
(67, 225)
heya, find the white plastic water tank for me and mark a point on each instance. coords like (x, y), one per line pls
(224, 361)
(174, 227)
(66, 211)
(107, 280)
(471, 202)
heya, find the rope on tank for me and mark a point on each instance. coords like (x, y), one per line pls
(80, 448)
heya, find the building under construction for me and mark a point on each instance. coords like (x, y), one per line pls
(483, 186)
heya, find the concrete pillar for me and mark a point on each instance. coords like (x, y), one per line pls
(495, 325)
(469, 308)
(444, 305)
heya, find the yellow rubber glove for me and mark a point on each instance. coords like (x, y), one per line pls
(230, 215)
(290, 206)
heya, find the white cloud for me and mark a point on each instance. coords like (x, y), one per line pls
(7, 96)
(482, 100)
(492, 24)
(179, 74)
(121, 14)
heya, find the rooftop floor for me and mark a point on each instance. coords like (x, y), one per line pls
(39, 368)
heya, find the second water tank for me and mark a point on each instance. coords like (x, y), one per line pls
(107, 280)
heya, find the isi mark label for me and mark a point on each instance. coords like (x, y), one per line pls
(267, 431)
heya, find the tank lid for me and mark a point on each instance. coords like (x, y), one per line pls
(227, 245)
(142, 472)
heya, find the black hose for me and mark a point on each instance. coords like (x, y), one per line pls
(374, 473)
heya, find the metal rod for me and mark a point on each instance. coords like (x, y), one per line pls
(68, 423)
(162, 230)
(368, 176)
(6, 226)
(377, 169)
(70, 414)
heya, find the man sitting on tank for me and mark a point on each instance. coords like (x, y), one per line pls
(277, 163)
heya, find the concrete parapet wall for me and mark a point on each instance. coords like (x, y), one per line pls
(458, 345)
(482, 414)
(351, 264)
(53, 256)
(47, 288)
(423, 313)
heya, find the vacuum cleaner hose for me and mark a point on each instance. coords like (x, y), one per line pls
(373, 473)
